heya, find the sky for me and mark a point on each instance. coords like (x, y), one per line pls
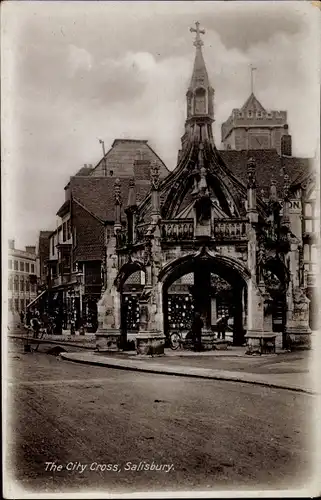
(75, 72)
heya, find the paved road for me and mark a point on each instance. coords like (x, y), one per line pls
(216, 435)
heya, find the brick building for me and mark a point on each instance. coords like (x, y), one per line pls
(76, 248)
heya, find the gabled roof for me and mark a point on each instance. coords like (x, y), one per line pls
(121, 157)
(252, 104)
(96, 194)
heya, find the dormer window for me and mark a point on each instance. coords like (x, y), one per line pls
(249, 114)
(259, 114)
(111, 173)
(269, 114)
(240, 114)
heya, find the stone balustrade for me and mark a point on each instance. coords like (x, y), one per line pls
(177, 230)
(141, 231)
(122, 238)
(230, 229)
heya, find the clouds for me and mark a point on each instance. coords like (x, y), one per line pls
(78, 59)
(109, 70)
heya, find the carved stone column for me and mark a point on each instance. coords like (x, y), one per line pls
(297, 316)
(151, 339)
(108, 333)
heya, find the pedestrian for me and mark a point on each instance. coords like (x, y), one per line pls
(222, 326)
(197, 326)
(28, 317)
(35, 324)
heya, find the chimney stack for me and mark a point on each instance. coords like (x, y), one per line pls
(31, 249)
(286, 142)
(11, 244)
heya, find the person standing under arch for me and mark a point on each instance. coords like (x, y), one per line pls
(197, 326)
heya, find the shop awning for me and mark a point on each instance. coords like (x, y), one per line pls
(36, 299)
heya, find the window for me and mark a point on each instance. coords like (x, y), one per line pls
(68, 229)
(15, 265)
(259, 114)
(306, 252)
(16, 304)
(10, 304)
(16, 284)
(27, 267)
(64, 231)
(22, 266)
(22, 285)
(308, 226)
(32, 269)
(10, 264)
(249, 114)
(27, 286)
(10, 283)
(308, 209)
(53, 245)
(111, 173)
(269, 114)
(22, 304)
(314, 253)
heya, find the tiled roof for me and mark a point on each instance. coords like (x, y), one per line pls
(96, 194)
(268, 165)
(121, 157)
(252, 104)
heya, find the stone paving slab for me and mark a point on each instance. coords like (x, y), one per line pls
(270, 380)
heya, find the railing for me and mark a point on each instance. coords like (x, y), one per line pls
(141, 231)
(177, 230)
(227, 229)
(122, 238)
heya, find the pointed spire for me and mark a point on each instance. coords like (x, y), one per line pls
(199, 75)
(155, 196)
(131, 194)
(251, 173)
(273, 193)
(286, 200)
(118, 203)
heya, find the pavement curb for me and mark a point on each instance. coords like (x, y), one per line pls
(181, 372)
(55, 342)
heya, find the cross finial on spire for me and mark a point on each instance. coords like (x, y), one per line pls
(198, 41)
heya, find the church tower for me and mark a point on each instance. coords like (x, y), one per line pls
(254, 127)
(199, 96)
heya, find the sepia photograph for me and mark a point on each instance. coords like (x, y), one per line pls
(160, 249)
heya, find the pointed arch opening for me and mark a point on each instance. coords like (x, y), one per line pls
(210, 284)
